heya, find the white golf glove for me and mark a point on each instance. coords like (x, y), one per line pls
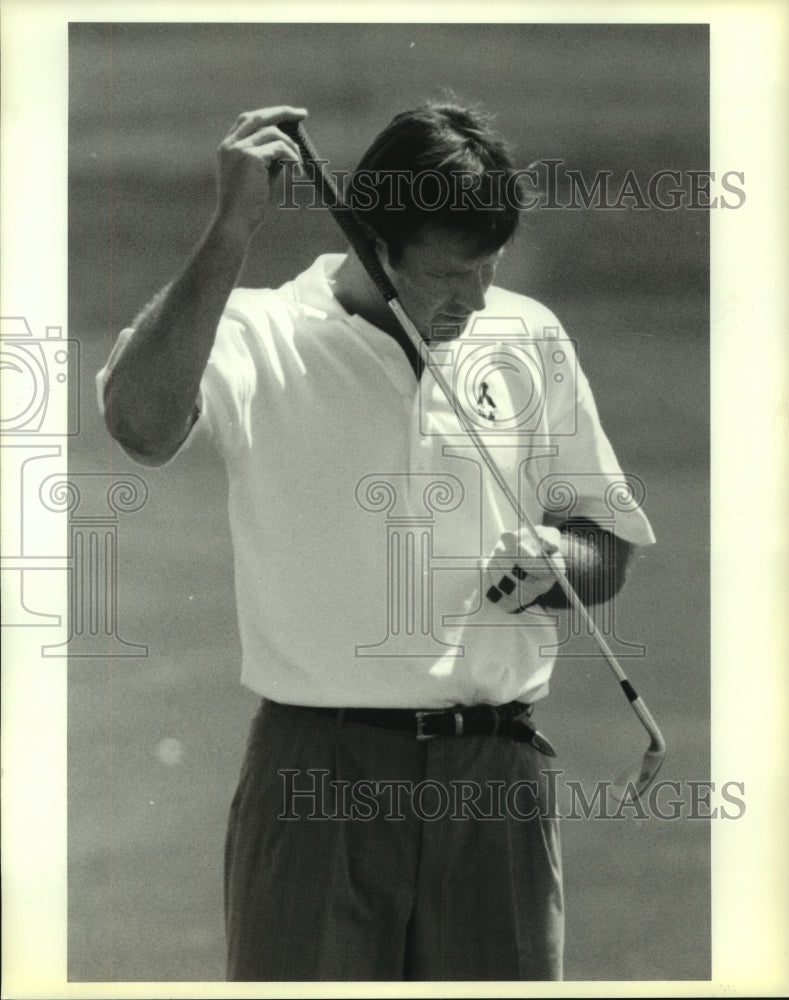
(516, 575)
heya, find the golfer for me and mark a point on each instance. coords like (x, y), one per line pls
(392, 819)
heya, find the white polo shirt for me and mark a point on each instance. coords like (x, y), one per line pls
(360, 512)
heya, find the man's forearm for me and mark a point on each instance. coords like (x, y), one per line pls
(151, 393)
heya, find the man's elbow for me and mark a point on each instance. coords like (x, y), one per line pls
(606, 581)
(150, 449)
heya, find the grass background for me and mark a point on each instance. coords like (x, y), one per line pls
(147, 106)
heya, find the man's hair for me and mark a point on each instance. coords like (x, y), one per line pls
(439, 165)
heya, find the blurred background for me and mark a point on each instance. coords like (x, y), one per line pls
(155, 742)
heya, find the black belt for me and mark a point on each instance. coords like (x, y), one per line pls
(425, 724)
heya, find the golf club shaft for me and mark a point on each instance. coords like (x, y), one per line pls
(365, 250)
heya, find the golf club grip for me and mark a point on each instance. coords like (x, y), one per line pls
(345, 217)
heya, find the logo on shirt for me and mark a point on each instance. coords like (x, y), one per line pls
(485, 406)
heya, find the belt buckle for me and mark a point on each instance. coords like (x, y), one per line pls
(420, 722)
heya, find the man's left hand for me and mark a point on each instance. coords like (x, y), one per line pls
(516, 575)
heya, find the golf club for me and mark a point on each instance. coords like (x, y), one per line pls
(636, 779)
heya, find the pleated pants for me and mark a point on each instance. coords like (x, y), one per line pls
(359, 853)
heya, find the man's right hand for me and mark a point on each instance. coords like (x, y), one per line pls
(249, 166)
(153, 386)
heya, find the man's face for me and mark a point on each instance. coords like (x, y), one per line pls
(440, 281)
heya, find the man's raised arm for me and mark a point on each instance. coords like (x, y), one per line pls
(152, 389)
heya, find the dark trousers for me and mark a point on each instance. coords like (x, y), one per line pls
(358, 853)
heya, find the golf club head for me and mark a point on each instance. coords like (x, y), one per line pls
(634, 782)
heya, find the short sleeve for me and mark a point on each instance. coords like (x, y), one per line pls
(584, 477)
(227, 387)
(550, 409)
